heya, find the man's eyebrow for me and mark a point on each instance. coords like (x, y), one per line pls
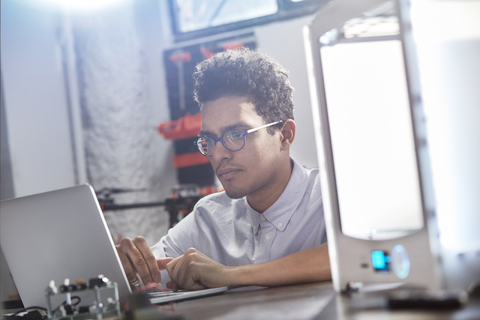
(225, 129)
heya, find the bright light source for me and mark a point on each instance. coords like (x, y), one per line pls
(85, 4)
(450, 99)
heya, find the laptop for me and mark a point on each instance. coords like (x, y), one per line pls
(394, 214)
(62, 235)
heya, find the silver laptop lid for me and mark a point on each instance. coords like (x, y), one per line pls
(57, 235)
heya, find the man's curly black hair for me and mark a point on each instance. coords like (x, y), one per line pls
(246, 72)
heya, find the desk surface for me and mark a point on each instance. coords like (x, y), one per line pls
(308, 301)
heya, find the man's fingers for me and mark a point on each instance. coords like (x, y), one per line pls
(146, 263)
(141, 258)
(162, 263)
(127, 267)
(173, 263)
(183, 271)
(188, 285)
(197, 286)
(175, 286)
(174, 269)
(131, 260)
(176, 273)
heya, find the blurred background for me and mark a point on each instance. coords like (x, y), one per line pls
(85, 86)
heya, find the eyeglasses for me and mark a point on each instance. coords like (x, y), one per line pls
(233, 140)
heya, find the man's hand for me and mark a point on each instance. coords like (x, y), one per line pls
(194, 270)
(137, 258)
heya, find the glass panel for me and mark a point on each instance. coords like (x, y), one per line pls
(372, 139)
(201, 14)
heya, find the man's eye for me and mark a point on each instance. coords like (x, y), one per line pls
(205, 140)
(234, 135)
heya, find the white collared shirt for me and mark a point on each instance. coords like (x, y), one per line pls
(232, 233)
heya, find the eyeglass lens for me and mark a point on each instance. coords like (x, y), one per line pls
(233, 140)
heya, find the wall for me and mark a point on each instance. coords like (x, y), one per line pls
(35, 99)
(35, 129)
(284, 42)
(121, 145)
(38, 119)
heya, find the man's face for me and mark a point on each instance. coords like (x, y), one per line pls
(253, 169)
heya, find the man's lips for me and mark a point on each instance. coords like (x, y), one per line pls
(227, 173)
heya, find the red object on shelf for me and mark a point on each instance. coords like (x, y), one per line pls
(209, 190)
(183, 56)
(189, 159)
(186, 127)
(233, 45)
(206, 53)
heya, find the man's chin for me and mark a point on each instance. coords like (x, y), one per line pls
(234, 194)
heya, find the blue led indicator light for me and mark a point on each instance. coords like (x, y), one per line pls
(378, 259)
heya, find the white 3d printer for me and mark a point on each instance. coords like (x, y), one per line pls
(396, 108)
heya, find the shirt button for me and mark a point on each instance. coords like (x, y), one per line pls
(279, 225)
(262, 217)
(267, 237)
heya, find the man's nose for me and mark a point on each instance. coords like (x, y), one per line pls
(221, 152)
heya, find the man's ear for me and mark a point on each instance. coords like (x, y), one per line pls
(288, 133)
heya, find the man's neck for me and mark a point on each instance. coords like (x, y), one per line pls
(263, 199)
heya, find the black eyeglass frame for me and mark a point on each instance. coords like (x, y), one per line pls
(244, 133)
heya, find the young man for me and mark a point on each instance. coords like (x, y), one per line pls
(267, 228)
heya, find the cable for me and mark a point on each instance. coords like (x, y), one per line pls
(65, 302)
(29, 308)
(38, 313)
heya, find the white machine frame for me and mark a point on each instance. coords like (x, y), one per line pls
(350, 258)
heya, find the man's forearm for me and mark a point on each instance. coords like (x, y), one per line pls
(194, 270)
(304, 266)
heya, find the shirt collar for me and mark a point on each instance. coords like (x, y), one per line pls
(281, 211)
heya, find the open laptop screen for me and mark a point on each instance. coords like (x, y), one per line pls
(57, 235)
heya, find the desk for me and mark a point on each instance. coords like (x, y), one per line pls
(307, 301)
